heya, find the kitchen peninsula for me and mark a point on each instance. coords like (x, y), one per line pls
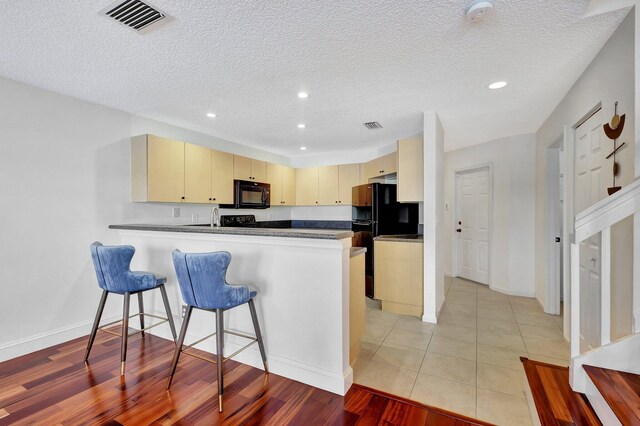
(302, 278)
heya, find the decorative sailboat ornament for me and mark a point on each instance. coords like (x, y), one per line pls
(613, 130)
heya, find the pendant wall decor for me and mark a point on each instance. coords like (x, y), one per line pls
(613, 130)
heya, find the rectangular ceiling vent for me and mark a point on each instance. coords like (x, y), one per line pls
(135, 14)
(372, 125)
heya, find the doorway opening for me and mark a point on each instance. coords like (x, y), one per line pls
(472, 226)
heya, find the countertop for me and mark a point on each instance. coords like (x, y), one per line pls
(355, 251)
(318, 234)
(410, 238)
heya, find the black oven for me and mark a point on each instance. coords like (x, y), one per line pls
(251, 195)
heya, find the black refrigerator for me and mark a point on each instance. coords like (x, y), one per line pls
(376, 211)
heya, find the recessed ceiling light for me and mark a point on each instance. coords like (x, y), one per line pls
(211, 115)
(497, 85)
(303, 95)
(303, 148)
(301, 126)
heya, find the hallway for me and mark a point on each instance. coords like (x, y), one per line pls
(468, 363)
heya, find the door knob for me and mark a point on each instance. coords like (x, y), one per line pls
(458, 230)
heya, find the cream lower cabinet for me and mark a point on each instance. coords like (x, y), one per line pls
(398, 272)
(283, 184)
(357, 306)
(157, 169)
(221, 177)
(411, 169)
(245, 168)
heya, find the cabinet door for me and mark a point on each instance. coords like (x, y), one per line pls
(241, 168)
(165, 168)
(307, 188)
(288, 186)
(197, 173)
(259, 170)
(373, 168)
(411, 169)
(328, 179)
(363, 174)
(349, 176)
(274, 178)
(398, 268)
(389, 163)
(221, 177)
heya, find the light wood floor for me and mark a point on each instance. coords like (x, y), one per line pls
(53, 386)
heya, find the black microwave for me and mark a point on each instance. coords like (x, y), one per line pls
(251, 195)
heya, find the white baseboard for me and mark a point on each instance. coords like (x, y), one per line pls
(338, 383)
(47, 339)
(512, 292)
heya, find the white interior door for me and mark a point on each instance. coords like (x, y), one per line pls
(472, 225)
(590, 188)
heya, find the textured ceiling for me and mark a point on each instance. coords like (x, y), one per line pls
(359, 61)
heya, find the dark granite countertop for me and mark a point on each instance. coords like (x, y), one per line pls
(319, 234)
(410, 238)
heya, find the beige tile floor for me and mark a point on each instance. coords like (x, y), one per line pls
(469, 362)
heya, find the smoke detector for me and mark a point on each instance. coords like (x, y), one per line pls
(478, 10)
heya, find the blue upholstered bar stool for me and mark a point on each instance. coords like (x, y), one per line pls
(112, 265)
(203, 286)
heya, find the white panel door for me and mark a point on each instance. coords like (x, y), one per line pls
(472, 225)
(590, 187)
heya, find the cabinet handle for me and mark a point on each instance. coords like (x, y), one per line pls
(182, 198)
(210, 198)
(316, 202)
(214, 199)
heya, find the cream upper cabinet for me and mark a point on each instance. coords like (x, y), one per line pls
(245, 168)
(241, 167)
(197, 174)
(157, 169)
(348, 177)
(364, 178)
(307, 186)
(221, 177)
(274, 178)
(283, 184)
(411, 169)
(390, 163)
(288, 186)
(381, 166)
(328, 180)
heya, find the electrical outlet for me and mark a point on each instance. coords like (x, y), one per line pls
(184, 311)
(176, 212)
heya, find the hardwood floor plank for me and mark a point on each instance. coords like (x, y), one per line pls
(55, 387)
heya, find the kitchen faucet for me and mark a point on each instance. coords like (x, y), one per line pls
(215, 217)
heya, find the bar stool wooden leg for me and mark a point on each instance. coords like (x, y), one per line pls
(220, 350)
(176, 354)
(256, 327)
(125, 332)
(96, 323)
(167, 309)
(141, 310)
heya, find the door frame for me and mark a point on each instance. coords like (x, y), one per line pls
(454, 238)
(554, 225)
(568, 231)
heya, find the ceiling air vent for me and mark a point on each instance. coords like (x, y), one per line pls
(135, 14)
(372, 125)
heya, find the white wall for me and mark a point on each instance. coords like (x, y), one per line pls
(512, 162)
(433, 213)
(64, 177)
(609, 78)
